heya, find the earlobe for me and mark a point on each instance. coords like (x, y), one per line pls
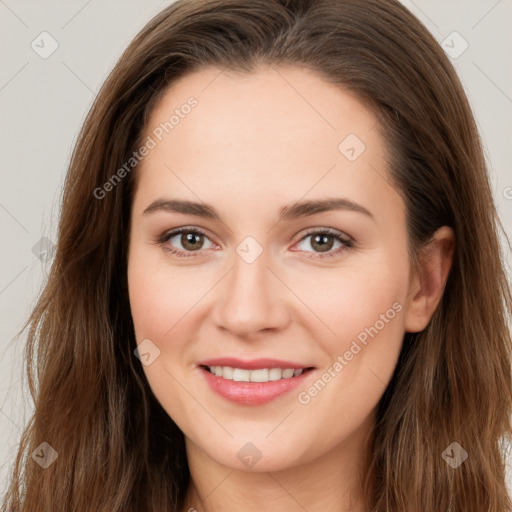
(429, 280)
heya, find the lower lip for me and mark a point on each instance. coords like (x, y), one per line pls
(252, 393)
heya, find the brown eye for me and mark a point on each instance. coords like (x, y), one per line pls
(185, 241)
(192, 241)
(323, 242)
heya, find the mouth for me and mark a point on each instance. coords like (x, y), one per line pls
(254, 382)
(255, 375)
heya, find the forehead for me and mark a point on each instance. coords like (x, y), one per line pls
(278, 133)
(286, 104)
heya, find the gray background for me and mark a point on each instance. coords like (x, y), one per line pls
(43, 103)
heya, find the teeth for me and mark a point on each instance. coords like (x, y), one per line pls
(259, 375)
(239, 375)
(275, 374)
(287, 373)
(227, 372)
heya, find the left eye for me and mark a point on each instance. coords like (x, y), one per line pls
(323, 241)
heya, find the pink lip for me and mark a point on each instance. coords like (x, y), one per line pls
(253, 364)
(252, 393)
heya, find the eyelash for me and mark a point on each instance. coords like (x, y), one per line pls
(348, 243)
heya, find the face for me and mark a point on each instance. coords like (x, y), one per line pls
(266, 235)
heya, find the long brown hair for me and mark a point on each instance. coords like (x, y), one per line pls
(117, 448)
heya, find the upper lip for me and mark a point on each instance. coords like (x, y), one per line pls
(253, 364)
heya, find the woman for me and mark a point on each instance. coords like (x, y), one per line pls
(277, 281)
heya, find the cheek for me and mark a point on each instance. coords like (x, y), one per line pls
(149, 307)
(361, 312)
(348, 301)
(364, 308)
(159, 299)
(370, 308)
(159, 304)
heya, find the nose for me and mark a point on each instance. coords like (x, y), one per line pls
(251, 299)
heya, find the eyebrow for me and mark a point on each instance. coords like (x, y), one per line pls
(289, 212)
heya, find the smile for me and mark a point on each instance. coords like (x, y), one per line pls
(253, 387)
(258, 375)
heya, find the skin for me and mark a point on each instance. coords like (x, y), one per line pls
(253, 144)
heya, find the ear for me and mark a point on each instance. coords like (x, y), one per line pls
(429, 279)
